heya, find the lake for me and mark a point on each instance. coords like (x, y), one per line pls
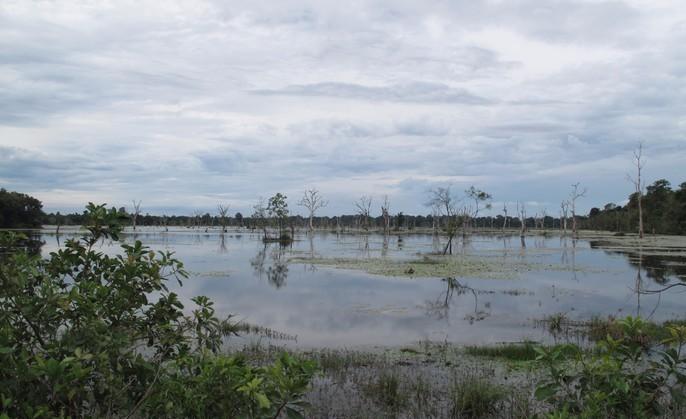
(328, 307)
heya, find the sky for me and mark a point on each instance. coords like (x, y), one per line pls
(187, 104)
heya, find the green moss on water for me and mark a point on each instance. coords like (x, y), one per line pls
(462, 266)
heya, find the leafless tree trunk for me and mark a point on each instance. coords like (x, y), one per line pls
(313, 201)
(197, 216)
(639, 162)
(576, 193)
(223, 212)
(505, 220)
(259, 217)
(136, 212)
(364, 206)
(564, 206)
(521, 211)
(385, 213)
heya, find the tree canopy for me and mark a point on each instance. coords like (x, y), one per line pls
(18, 210)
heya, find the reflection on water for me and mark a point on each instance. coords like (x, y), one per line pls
(324, 306)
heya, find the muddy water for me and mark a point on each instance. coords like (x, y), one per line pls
(330, 307)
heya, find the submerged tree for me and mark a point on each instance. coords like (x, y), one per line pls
(136, 212)
(277, 209)
(386, 214)
(223, 215)
(564, 211)
(312, 200)
(364, 206)
(479, 197)
(576, 194)
(259, 217)
(441, 198)
(639, 185)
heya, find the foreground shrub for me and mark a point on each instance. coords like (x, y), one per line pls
(84, 334)
(621, 378)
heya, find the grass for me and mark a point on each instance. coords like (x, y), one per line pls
(475, 397)
(511, 351)
(385, 389)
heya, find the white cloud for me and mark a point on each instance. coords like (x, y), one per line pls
(184, 103)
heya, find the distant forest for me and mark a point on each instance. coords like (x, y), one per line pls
(664, 212)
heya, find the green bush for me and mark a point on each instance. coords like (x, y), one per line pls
(622, 378)
(84, 334)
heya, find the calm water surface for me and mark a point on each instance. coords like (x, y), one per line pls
(328, 307)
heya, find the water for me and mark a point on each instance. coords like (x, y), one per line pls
(329, 307)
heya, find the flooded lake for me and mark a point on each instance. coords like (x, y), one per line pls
(323, 306)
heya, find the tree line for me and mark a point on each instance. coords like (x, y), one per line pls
(663, 212)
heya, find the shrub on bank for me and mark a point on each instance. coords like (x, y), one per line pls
(84, 334)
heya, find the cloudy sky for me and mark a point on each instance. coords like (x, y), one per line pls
(185, 104)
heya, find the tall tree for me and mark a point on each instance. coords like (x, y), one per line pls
(575, 194)
(564, 211)
(638, 183)
(312, 200)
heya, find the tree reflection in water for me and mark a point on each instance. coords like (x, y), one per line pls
(275, 269)
(440, 307)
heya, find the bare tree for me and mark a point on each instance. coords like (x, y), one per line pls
(564, 211)
(313, 201)
(364, 206)
(435, 218)
(386, 214)
(259, 216)
(505, 219)
(223, 215)
(521, 211)
(576, 194)
(639, 185)
(136, 212)
(197, 217)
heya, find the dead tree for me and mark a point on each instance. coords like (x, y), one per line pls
(505, 219)
(521, 212)
(259, 217)
(564, 210)
(223, 215)
(435, 218)
(197, 217)
(576, 193)
(386, 214)
(639, 185)
(364, 206)
(136, 212)
(313, 201)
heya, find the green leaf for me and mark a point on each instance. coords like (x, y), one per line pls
(545, 392)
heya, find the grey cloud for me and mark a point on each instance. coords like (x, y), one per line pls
(410, 92)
